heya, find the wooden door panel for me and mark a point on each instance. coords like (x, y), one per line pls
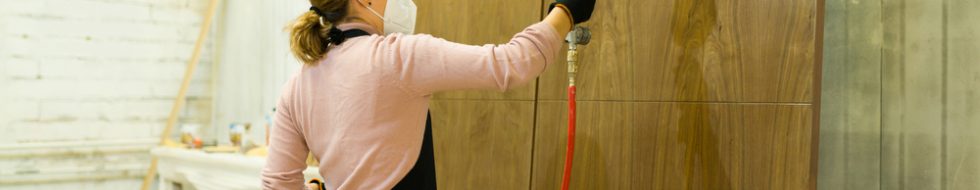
(695, 50)
(605, 64)
(674, 94)
(725, 50)
(482, 145)
(721, 146)
(624, 145)
(603, 141)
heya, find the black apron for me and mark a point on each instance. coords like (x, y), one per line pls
(423, 175)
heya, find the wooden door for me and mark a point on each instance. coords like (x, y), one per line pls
(673, 94)
(688, 94)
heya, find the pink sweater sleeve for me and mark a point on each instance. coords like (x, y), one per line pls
(426, 64)
(287, 151)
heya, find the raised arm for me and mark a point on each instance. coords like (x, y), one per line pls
(425, 64)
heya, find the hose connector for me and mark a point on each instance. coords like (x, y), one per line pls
(578, 36)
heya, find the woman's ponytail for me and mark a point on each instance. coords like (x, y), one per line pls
(307, 38)
(308, 33)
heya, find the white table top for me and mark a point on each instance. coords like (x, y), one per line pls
(196, 169)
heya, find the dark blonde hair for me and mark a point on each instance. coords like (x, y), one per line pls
(308, 36)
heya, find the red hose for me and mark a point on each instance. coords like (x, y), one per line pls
(571, 138)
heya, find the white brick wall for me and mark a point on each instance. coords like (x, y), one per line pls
(97, 74)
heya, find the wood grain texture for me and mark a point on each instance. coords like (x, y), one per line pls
(741, 51)
(721, 92)
(674, 94)
(636, 145)
(482, 144)
(602, 145)
(721, 146)
(605, 64)
(479, 23)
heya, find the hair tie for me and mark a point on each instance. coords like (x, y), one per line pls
(329, 16)
(319, 14)
(317, 11)
(335, 36)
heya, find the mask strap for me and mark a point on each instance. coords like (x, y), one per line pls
(372, 10)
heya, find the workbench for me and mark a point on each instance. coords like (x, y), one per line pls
(187, 169)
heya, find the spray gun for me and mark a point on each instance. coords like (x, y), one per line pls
(578, 36)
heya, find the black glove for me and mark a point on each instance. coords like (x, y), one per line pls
(580, 10)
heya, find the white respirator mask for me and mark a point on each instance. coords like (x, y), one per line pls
(399, 16)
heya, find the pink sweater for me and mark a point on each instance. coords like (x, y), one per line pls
(361, 110)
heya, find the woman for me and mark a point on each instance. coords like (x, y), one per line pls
(360, 101)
